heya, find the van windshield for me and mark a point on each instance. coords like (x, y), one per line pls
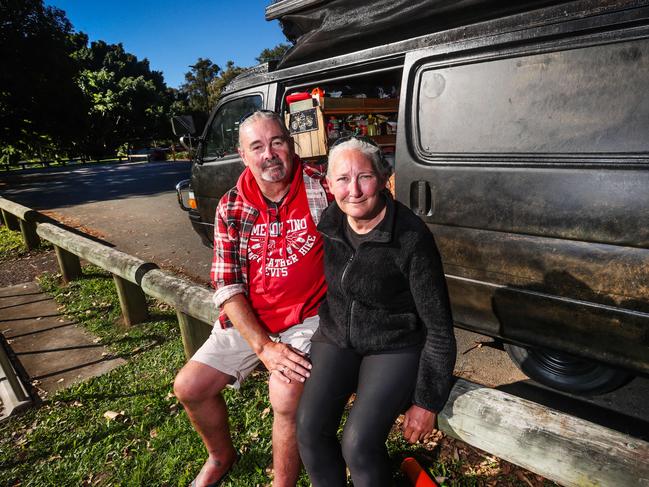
(223, 135)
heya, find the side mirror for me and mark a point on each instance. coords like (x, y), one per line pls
(183, 125)
(186, 142)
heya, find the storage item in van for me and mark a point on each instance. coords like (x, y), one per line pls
(309, 132)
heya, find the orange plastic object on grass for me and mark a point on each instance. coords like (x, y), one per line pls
(417, 476)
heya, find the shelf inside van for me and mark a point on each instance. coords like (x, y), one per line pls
(388, 139)
(332, 106)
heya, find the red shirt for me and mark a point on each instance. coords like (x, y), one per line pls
(285, 255)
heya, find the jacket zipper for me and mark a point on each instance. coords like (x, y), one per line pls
(350, 308)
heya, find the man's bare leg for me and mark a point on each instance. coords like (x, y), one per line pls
(286, 459)
(198, 387)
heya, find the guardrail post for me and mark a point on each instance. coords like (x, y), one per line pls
(11, 220)
(31, 239)
(132, 300)
(194, 332)
(69, 264)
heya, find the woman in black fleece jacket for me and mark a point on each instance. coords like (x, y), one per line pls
(386, 330)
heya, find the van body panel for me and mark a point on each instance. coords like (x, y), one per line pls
(605, 334)
(529, 161)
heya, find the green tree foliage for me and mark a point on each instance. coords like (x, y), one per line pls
(127, 101)
(196, 86)
(41, 106)
(61, 95)
(225, 76)
(272, 54)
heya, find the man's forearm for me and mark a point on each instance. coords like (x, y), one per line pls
(243, 318)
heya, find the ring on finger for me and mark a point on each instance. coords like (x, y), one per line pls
(284, 368)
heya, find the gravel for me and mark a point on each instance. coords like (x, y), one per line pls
(27, 267)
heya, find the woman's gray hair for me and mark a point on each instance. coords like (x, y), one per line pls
(265, 115)
(382, 168)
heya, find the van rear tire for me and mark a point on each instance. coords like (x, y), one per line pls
(566, 372)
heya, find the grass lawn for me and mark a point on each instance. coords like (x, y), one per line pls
(126, 427)
(11, 244)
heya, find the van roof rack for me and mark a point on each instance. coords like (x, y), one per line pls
(279, 8)
(262, 68)
(327, 28)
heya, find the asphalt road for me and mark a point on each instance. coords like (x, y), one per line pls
(133, 207)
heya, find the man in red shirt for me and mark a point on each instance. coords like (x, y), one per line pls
(268, 276)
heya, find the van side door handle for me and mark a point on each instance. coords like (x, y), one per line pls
(421, 198)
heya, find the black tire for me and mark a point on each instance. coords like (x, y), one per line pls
(565, 372)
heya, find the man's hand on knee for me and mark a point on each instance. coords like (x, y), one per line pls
(285, 361)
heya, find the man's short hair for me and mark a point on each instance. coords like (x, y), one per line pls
(264, 115)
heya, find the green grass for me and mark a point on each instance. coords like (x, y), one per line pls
(68, 441)
(11, 244)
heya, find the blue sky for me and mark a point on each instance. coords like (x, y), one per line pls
(173, 34)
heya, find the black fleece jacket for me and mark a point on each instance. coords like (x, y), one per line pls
(388, 295)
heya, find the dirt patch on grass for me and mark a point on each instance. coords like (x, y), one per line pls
(27, 267)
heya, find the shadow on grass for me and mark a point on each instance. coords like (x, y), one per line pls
(91, 398)
(35, 456)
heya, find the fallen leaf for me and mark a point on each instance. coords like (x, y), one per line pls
(265, 412)
(153, 433)
(521, 476)
(111, 415)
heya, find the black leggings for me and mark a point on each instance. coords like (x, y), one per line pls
(384, 384)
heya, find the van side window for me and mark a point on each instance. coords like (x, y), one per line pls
(223, 135)
(590, 100)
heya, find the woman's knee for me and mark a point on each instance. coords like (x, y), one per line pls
(308, 427)
(360, 449)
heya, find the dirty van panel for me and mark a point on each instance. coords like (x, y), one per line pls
(531, 166)
(587, 101)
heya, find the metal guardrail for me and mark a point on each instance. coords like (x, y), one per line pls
(562, 448)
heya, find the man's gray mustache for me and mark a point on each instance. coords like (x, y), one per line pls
(271, 163)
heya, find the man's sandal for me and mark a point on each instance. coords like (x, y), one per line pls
(217, 482)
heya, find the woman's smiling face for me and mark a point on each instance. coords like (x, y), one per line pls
(355, 185)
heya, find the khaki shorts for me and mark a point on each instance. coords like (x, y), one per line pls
(227, 351)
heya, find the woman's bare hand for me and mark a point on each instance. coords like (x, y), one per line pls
(419, 423)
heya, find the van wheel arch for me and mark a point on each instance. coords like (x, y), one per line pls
(566, 372)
